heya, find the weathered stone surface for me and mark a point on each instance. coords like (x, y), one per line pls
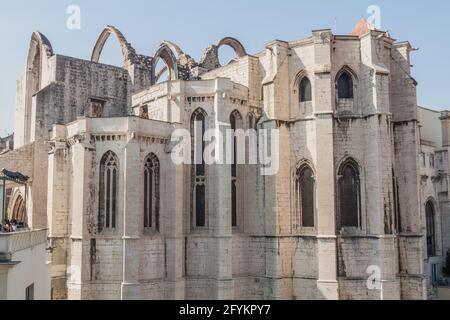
(268, 255)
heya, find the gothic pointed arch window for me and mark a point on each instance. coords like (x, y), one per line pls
(18, 210)
(198, 130)
(305, 196)
(236, 176)
(152, 193)
(431, 235)
(345, 85)
(305, 90)
(109, 174)
(349, 195)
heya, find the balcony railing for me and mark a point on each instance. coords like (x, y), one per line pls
(13, 242)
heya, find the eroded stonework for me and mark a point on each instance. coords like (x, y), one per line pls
(71, 113)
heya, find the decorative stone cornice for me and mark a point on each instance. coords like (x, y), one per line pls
(82, 139)
(56, 146)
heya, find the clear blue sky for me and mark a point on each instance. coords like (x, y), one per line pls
(195, 24)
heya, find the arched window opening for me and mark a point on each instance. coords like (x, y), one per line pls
(18, 212)
(431, 236)
(164, 64)
(226, 55)
(232, 51)
(112, 54)
(305, 90)
(162, 72)
(109, 170)
(198, 127)
(305, 196)
(349, 195)
(152, 192)
(345, 86)
(235, 123)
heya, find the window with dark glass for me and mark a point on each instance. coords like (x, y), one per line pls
(305, 92)
(199, 168)
(304, 196)
(151, 192)
(431, 237)
(108, 191)
(235, 122)
(349, 195)
(345, 86)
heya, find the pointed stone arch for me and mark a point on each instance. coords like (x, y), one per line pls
(165, 53)
(210, 59)
(40, 48)
(352, 77)
(128, 52)
(235, 44)
(39, 52)
(174, 47)
(17, 207)
(40, 42)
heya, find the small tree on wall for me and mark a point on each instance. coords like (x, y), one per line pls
(447, 264)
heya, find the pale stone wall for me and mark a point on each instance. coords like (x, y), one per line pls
(268, 256)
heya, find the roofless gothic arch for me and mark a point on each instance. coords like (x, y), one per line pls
(40, 48)
(234, 44)
(167, 55)
(210, 59)
(128, 52)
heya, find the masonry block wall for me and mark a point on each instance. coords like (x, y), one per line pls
(269, 254)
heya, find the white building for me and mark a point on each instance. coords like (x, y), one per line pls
(24, 271)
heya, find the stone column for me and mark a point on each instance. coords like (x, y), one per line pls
(327, 283)
(58, 211)
(173, 228)
(219, 199)
(407, 143)
(78, 284)
(132, 168)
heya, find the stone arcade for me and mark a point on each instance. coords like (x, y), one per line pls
(125, 222)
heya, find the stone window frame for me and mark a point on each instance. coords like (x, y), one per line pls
(362, 214)
(301, 109)
(143, 111)
(96, 100)
(238, 174)
(348, 85)
(434, 251)
(355, 99)
(198, 180)
(104, 228)
(297, 212)
(16, 202)
(301, 94)
(152, 167)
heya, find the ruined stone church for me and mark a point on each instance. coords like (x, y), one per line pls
(125, 222)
